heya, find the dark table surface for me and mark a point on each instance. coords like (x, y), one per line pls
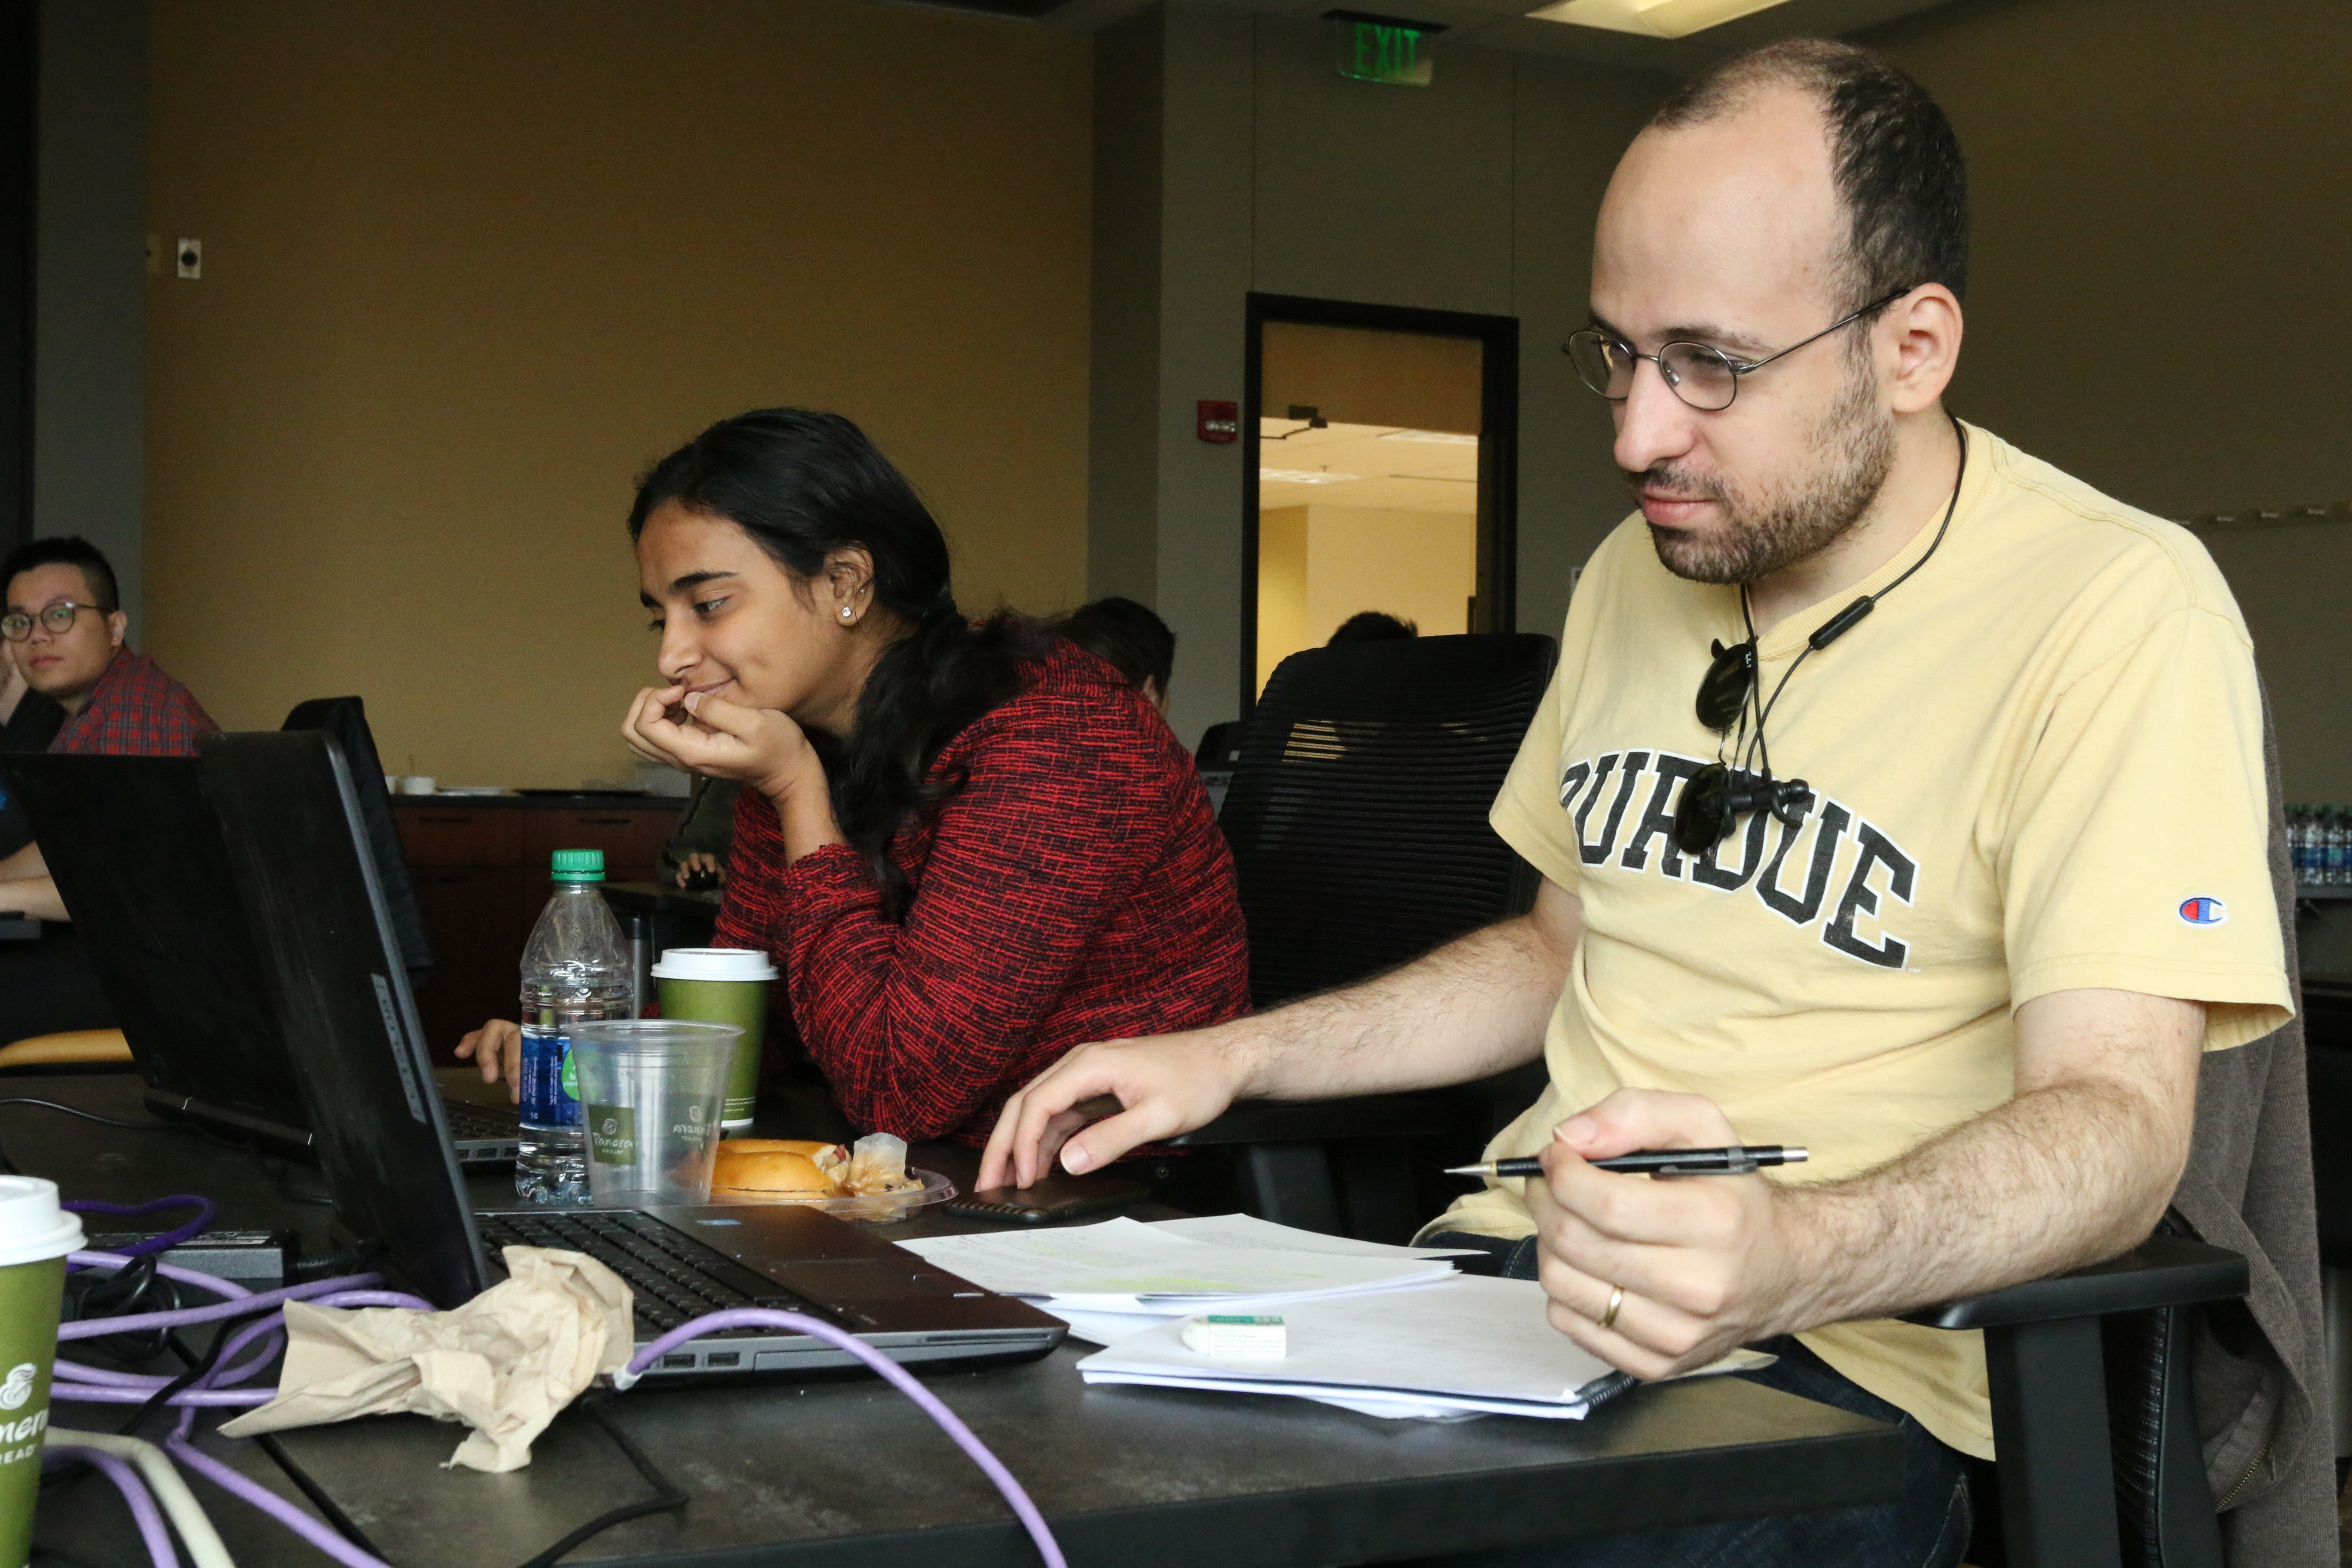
(848, 1472)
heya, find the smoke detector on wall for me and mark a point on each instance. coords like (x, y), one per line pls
(1651, 18)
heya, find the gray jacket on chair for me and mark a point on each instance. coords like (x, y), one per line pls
(2261, 1366)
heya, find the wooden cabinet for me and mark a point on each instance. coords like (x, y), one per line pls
(479, 868)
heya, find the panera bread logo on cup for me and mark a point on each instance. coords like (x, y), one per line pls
(20, 1431)
(613, 1135)
(17, 1386)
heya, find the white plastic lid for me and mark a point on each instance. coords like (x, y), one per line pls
(33, 1228)
(713, 963)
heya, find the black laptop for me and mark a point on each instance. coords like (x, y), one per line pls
(329, 960)
(137, 852)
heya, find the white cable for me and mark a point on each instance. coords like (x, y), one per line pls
(179, 1504)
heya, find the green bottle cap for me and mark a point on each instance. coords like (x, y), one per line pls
(577, 865)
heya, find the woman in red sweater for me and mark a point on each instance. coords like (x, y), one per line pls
(968, 848)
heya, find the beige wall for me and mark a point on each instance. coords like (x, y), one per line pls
(2159, 301)
(469, 267)
(1319, 564)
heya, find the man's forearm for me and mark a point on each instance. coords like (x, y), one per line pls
(1475, 1007)
(2064, 1175)
(35, 896)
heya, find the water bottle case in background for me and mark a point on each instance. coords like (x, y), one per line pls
(1051, 1201)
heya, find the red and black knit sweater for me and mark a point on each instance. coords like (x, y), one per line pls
(1076, 888)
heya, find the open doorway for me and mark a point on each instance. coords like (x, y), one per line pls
(1381, 464)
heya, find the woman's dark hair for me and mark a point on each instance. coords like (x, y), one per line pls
(803, 485)
(1127, 636)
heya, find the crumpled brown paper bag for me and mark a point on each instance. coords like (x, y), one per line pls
(504, 1364)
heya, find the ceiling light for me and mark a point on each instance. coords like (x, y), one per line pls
(1436, 437)
(1656, 18)
(1304, 477)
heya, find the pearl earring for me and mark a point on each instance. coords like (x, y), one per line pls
(845, 612)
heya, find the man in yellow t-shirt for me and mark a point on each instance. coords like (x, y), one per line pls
(1897, 795)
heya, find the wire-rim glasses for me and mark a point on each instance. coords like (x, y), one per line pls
(1699, 373)
(17, 625)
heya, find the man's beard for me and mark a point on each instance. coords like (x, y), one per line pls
(1854, 448)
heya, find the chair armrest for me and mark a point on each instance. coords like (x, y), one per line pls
(1315, 1120)
(2162, 1271)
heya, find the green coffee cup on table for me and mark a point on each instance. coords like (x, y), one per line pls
(722, 985)
(35, 1237)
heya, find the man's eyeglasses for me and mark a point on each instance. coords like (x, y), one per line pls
(1701, 375)
(17, 625)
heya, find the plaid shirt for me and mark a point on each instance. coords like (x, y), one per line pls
(136, 711)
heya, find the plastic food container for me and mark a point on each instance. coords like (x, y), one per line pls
(880, 1208)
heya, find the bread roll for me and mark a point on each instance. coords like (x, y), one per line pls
(809, 1147)
(777, 1171)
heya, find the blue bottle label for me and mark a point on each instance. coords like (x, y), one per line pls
(551, 1088)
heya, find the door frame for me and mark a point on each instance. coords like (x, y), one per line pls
(1496, 580)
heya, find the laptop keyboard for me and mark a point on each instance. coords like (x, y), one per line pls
(672, 1275)
(476, 1125)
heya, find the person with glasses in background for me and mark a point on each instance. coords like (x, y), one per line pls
(65, 627)
(1897, 795)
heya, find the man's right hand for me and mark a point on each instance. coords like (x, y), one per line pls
(1123, 1093)
(497, 1048)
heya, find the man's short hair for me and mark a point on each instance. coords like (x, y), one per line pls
(1373, 626)
(1125, 635)
(65, 550)
(1898, 165)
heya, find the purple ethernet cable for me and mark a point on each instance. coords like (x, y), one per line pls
(891, 1373)
(207, 1212)
(134, 1492)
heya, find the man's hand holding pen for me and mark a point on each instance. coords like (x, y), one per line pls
(1659, 1277)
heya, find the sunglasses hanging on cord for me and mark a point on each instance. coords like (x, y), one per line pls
(1730, 693)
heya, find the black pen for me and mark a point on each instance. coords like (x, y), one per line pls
(1734, 1161)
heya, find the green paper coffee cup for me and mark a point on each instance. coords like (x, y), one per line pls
(722, 985)
(35, 1237)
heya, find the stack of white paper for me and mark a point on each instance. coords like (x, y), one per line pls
(1119, 1278)
(1460, 1347)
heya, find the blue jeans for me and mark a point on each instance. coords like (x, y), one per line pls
(1927, 1529)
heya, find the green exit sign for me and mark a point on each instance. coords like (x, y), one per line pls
(1387, 49)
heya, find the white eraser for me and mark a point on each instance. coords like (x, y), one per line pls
(1237, 1338)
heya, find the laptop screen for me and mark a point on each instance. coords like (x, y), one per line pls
(298, 848)
(137, 853)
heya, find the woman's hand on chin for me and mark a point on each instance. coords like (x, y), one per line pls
(706, 734)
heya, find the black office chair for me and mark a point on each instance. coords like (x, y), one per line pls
(345, 718)
(2095, 1375)
(2093, 1416)
(1357, 821)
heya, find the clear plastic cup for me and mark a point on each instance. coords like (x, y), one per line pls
(650, 1092)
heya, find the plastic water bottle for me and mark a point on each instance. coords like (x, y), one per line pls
(2339, 849)
(2301, 843)
(575, 970)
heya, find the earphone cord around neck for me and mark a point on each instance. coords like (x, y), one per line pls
(1837, 626)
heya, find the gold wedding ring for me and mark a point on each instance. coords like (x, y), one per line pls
(1616, 1300)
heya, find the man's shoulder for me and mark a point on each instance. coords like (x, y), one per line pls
(2057, 529)
(136, 709)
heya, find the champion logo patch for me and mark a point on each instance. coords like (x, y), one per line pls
(2204, 912)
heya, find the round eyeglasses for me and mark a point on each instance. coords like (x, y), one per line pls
(1701, 375)
(17, 625)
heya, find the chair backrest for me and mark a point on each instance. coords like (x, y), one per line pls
(345, 718)
(1357, 812)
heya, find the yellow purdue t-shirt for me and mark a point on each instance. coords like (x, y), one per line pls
(2037, 767)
